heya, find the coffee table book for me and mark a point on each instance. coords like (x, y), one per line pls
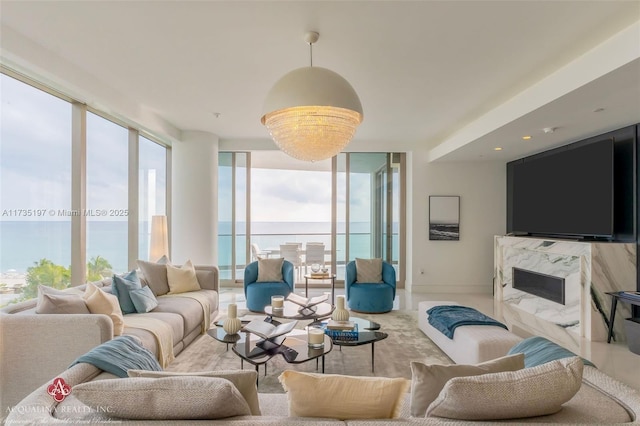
(306, 302)
(340, 325)
(267, 330)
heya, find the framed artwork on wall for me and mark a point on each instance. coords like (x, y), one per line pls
(444, 217)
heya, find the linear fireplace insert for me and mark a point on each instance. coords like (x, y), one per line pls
(541, 285)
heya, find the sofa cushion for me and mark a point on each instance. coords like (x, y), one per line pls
(343, 397)
(270, 270)
(143, 299)
(537, 350)
(61, 304)
(244, 380)
(428, 380)
(167, 398)
(122, 286)
(182, 279)
(189, 309)
(100, 302)
(530, 392)
(368, 270)
(155, 275)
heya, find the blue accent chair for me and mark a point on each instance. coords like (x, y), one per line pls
(258, 295)
(370, 297)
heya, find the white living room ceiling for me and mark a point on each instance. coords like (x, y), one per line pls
(424, 70)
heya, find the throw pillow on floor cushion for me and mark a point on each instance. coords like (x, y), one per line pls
(167, 398)
(428, 380)
(343, 397)
(530, 392)
(244, 380)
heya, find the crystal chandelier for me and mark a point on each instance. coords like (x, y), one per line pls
(312, 113)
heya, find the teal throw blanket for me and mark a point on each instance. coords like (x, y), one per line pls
(446, 318)
(119, 355)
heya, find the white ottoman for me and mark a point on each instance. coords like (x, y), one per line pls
(471, 344)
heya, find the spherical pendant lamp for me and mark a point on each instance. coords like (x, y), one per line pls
(312, 113)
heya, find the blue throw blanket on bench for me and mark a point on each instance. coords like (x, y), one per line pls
(119, 355)
(446, 318)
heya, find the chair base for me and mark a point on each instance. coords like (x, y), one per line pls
(370, 298)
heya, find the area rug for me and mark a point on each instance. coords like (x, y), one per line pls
(393, 355)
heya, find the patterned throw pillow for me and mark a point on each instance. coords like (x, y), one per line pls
(368, 270)
(167, 398)
(530, 392)
(428, 380)
(270, 270)
(244, 380)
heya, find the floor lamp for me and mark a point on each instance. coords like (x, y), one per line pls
(159, 245)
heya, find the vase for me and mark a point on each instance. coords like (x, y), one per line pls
(232, 324)
(340, 313)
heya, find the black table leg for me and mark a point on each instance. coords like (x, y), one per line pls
(612, 316)
(373, 351)
(322, 364)
(306, 287)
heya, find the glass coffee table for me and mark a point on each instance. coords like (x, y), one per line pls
(294, 349)
(368, 334)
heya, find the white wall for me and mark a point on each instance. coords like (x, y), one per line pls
(464, 266)
(194, 203)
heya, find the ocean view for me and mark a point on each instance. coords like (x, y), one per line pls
(24, 242)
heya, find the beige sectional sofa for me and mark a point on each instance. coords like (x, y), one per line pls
(600, 400)
(36, 347)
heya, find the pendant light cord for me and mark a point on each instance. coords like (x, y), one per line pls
(311, 54)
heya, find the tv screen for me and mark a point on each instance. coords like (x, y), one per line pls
(564, 192)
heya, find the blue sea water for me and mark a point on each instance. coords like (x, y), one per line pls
(23, 243)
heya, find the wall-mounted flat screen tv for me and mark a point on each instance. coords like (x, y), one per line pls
(568, 191)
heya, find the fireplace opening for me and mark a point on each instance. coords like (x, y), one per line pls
(541, 285)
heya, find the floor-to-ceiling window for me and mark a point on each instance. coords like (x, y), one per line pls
(35, 188)
(352, 204)
(62, 166)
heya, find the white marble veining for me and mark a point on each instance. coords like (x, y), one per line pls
(589, 269)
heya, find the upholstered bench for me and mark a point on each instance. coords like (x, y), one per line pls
(471, 344)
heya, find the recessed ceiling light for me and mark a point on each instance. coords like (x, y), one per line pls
(598, 110)
(216, 114)
(497, 148)
(526, 138)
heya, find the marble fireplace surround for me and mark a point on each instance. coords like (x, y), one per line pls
(590, 269)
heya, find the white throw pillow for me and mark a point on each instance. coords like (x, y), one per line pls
(182, 279)
(428, 380)
(100, 302)
(343, 397)
(270, 270)
(368, 270)
(530, 392)
(167, 398)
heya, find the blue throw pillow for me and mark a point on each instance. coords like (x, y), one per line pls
(538, 350)
(143, 299)
(121, 286)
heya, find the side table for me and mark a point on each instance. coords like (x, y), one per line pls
(331, 277)
(624, 297)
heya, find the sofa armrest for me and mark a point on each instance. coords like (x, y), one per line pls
(208, 277)
(36, 347)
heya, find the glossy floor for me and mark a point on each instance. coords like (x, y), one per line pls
(614, 359)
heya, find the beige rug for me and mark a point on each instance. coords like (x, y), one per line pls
(393, 355)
